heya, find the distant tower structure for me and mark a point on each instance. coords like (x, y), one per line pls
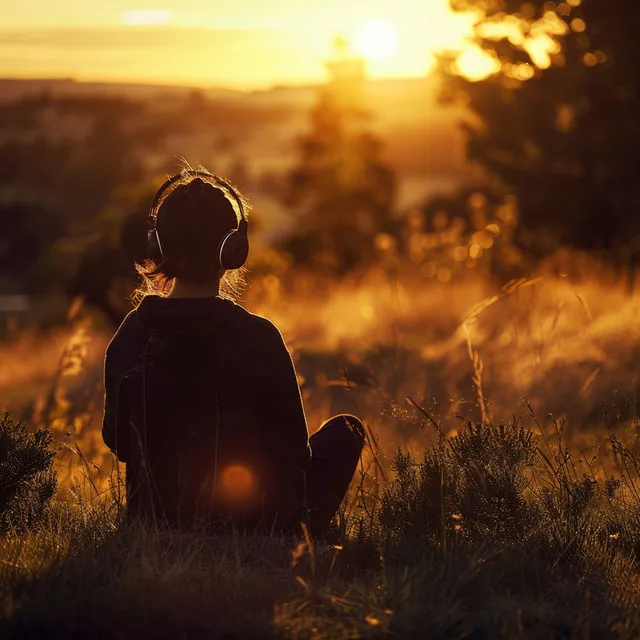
(347, 74)
(341, 185)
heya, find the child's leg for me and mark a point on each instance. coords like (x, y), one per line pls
(335, 451)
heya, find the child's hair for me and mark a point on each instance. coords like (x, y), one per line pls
(191, 217)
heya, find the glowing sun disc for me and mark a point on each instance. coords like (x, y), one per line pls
(376, 39)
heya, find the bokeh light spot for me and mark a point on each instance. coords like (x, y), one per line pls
(590, 60)
(475, 64)
(237, 482)
(578, 25)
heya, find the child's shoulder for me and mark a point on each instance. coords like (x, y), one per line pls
(260, 325)
(127, 332)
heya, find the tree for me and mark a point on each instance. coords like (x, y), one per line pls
(559, 125)
(28, 230)
(341, 186)
(62, 163)
(105, 273)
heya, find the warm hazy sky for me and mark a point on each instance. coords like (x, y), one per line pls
(243, 43)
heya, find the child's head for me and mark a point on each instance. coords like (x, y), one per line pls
(191, 217)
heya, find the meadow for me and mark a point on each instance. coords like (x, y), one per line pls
(451, 257)
(497, 496)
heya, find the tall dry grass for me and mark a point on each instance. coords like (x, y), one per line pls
(470, 350)
(455, 526)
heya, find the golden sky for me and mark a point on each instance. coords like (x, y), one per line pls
(238, 43)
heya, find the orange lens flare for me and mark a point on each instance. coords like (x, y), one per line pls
(237, 482)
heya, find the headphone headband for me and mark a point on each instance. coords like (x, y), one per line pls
(234, 247)
(221, 183)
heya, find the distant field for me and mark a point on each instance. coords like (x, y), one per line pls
(423, 143)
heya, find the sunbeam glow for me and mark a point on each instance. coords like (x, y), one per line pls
(376, 39)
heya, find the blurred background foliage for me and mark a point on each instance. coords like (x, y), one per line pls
(552, 135)
(559, 125)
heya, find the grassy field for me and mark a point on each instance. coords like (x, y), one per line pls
(493, 533)
(475, 513)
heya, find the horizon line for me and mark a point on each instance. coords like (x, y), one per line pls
(169, 84)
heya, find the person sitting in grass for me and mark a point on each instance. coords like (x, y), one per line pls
(201, 397)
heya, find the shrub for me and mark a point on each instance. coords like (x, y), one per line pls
(472, 485)
(27, 481)
(489, 465)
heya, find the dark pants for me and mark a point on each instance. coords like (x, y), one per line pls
(335, 451)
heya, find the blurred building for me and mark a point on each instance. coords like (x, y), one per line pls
(347, 75)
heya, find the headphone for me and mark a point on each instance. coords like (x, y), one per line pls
(233, 248)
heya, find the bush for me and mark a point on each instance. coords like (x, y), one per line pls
(472, 485)
(27, 481)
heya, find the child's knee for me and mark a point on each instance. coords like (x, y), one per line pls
(356, 427)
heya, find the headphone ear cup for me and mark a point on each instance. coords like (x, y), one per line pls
(234, 251)
(154, 252)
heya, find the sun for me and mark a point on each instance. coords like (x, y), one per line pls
(376, 39)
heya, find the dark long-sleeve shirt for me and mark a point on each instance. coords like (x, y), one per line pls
(256, 370)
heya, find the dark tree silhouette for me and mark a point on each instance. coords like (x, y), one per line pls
(63, 163)
(28, 232)
(559, 126)
(105, 273)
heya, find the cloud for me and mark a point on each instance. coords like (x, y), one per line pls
(137, 17)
